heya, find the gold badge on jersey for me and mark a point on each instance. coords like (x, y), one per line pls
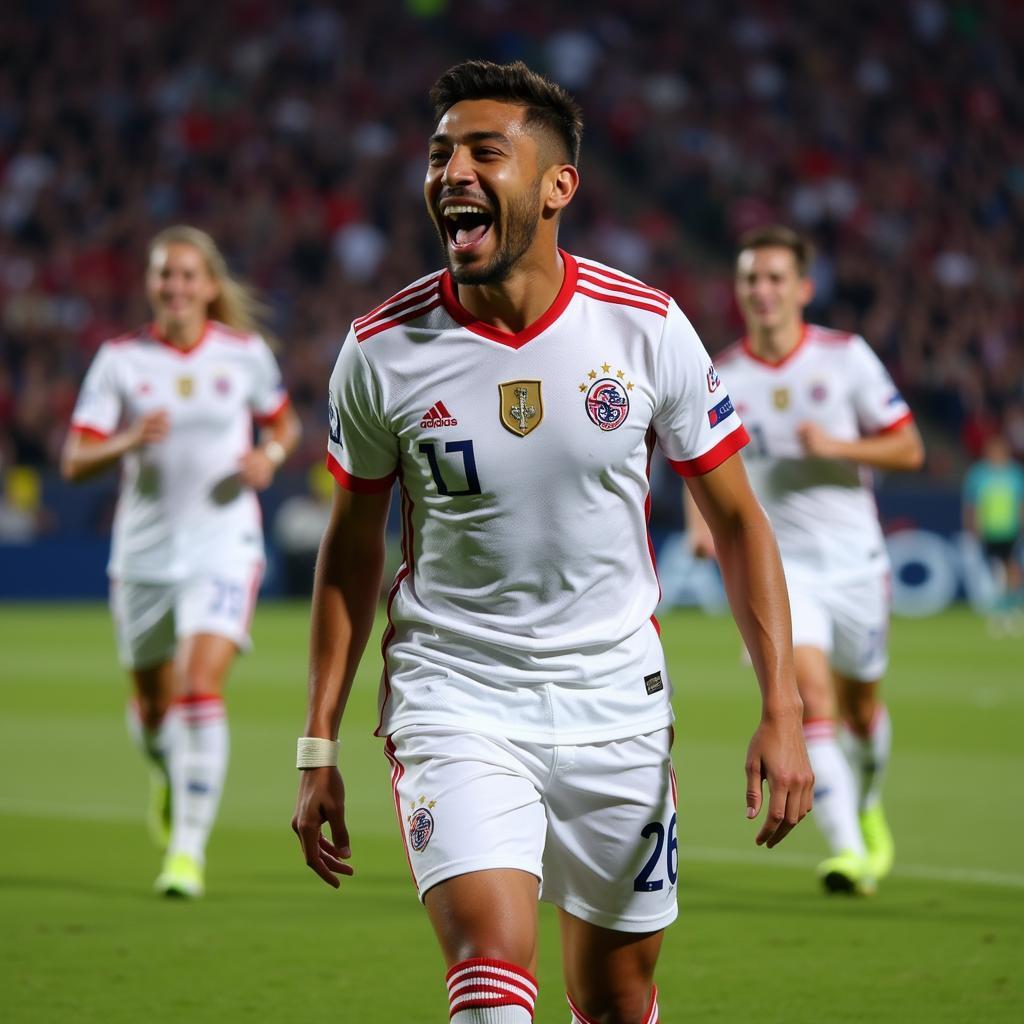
(519, 406)
(186, 386)
(780, 398)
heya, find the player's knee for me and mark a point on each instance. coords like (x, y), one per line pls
(630, 1004)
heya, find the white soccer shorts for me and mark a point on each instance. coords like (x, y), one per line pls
(596, 823)
(150, 618)
(848, 621)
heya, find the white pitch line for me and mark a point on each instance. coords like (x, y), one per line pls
(973, 876)
(700, 854)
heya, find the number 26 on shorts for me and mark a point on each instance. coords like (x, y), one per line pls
(670, 847)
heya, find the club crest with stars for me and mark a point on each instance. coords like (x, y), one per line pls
(520, 406)
(421, 823)
(607, 397)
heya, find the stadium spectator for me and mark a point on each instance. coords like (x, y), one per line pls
(525, 705)
(173, 404)
(823, 412)
(993, 511)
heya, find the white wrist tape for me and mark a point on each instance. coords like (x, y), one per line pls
(316, 752)
(274, 451)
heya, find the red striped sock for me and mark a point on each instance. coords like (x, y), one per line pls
(485, 991)
(650, 1017)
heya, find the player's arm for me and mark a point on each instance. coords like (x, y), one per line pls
(698, 534)
(278, 439)
(345, 591)
(752, 572)
(84, 455)
(899, 449)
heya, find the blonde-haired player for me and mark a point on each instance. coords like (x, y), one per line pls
(174, 404)
(822, 412)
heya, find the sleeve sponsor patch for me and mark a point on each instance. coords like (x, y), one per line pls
(724, 409)
(334, 421)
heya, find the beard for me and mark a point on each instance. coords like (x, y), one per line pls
(519, 228)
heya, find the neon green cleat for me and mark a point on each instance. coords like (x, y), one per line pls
(847, 873)
(158, 817)
(878, 840)
(182, 876)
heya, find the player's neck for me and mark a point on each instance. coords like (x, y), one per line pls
(522, 298)
(181, 333)
(775, 343)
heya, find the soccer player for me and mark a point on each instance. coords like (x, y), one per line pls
(515, 397)
(173, 403)
(822, 412)
(993, 510)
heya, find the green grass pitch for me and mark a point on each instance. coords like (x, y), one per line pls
(83, 939)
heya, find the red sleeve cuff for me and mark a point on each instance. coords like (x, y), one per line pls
(901, 422)
(715, 457)
(91, 432)
(262, 419)
(358, 484)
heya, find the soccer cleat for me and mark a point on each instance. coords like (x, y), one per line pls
(182, 876)
(158, 817)
(878, 840)
(847, 873)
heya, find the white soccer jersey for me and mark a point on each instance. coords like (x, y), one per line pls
(525, 599)
(181, 507)
(823, 510)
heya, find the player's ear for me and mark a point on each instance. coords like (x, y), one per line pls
(560, 184)
(806, 290)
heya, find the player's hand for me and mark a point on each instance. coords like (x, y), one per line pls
(815, 441)
(777, 754)
(149, 429)
(322, 799)
(700, 542)
(256, 469)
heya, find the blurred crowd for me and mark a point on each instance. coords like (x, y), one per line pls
(893, 134)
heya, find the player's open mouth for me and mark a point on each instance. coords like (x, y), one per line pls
(466, 226)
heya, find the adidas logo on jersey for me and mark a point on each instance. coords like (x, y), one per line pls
(438, 416)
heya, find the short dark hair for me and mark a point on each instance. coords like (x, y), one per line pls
(547, 103)
(779, 236)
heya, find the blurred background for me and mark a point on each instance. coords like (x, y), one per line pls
(892, 133)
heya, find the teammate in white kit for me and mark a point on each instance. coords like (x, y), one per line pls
(174, 404)
(822, 412)
(515, 398)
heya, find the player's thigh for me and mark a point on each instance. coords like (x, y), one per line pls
(860, 613)
(219, 603)
(609, 974)
(470, 812)
(144, 625)
(611, 857)
(812, 647)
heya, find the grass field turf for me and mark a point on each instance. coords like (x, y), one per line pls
(84, 940)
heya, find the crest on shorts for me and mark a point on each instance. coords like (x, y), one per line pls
(421, 824)
(186, 386)
(520, 407)
(780, 398)
(607, 397)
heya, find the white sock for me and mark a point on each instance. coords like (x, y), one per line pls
(869, 756)
(197, 778)
(650, 1017)
(835, 790)
(156, 744)
(486, 991)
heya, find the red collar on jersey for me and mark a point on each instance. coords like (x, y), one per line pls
(459, 313)
(156, 335)
(776, 364)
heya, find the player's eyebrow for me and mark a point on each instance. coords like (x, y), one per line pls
(471, 137)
